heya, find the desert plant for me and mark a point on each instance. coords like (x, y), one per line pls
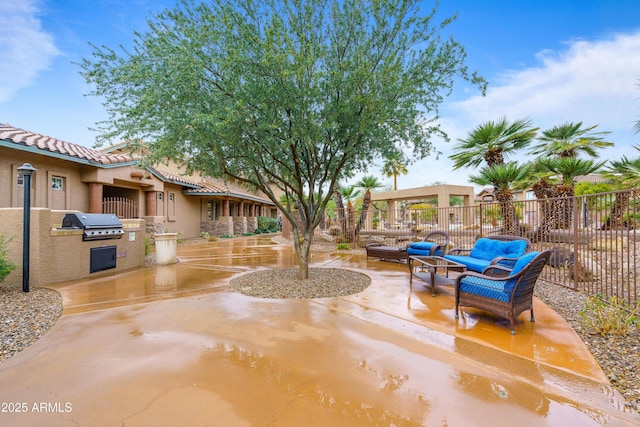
(6, 266)
(608, 317)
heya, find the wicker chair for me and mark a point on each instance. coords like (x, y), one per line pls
(501, 291)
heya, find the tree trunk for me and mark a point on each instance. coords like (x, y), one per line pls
(508, 210)
(350, 231)
(366, 202)
(302, 240)
(620, 205)
(341, 217)
(544, 190)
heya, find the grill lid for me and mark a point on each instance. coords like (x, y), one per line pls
(95, 226)
(90, 221)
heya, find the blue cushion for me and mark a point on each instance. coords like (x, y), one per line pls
(424, 252)
(493, 289)
(488, 249)
(512, 249)
(424, 248)
(422, 245)
(522, 262)
(484, 249)
(473, 264)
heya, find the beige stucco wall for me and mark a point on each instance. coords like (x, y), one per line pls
(75, 194)
(186, 221)
(60, 255)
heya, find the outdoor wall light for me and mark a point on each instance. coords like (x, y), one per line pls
(26, 171)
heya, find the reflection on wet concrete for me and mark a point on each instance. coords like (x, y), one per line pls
(201, 354)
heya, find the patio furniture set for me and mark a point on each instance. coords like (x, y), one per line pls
(497, 274)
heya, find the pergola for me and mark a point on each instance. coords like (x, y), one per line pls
(442, 193)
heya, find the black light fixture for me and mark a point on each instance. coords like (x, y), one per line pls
(26, 171)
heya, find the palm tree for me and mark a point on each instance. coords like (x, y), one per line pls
(348, 216)
(366, 183)
(557, 213)
(569, 140)
(502, 177)
(566, 141)
(626, 174)
(394, 166)
(340, 211)
(491, 142)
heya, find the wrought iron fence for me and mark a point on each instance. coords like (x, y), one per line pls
(122, 207)
(593, 238)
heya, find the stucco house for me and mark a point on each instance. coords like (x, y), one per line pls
(73, 177)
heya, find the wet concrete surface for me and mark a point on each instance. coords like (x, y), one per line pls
(174, 345)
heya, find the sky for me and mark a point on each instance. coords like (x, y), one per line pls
(550, 61)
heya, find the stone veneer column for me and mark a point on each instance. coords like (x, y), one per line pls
(95, 197)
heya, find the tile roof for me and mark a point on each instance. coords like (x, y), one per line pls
(206, 187)
(593, 178)
(47, 144)
(111, 156)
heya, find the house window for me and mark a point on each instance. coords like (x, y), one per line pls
(530, 195)
(57, 183)
(172, 206)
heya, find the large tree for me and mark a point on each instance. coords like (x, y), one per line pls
(292, 95)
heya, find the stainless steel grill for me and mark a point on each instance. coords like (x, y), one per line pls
(95, 226)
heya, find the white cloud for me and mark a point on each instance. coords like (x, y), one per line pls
(594, 82)
(27, 49)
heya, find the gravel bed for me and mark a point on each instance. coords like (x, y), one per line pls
(25, 317)
(617, 355)
(284, 283)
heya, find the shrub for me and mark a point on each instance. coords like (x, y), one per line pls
(6, 266)
(343, 246)
(267, 225)
(613, 317)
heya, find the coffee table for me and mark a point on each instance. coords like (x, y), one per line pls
(426, 269)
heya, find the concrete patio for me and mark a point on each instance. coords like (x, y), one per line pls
(175, 345)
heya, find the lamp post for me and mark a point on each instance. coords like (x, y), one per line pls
(26, 170)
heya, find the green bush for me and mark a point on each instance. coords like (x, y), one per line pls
(6, 266)
(343, 246)
(267, 225)
(613, 317)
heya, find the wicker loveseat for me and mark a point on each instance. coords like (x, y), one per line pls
(491, 250)
(501, 291)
